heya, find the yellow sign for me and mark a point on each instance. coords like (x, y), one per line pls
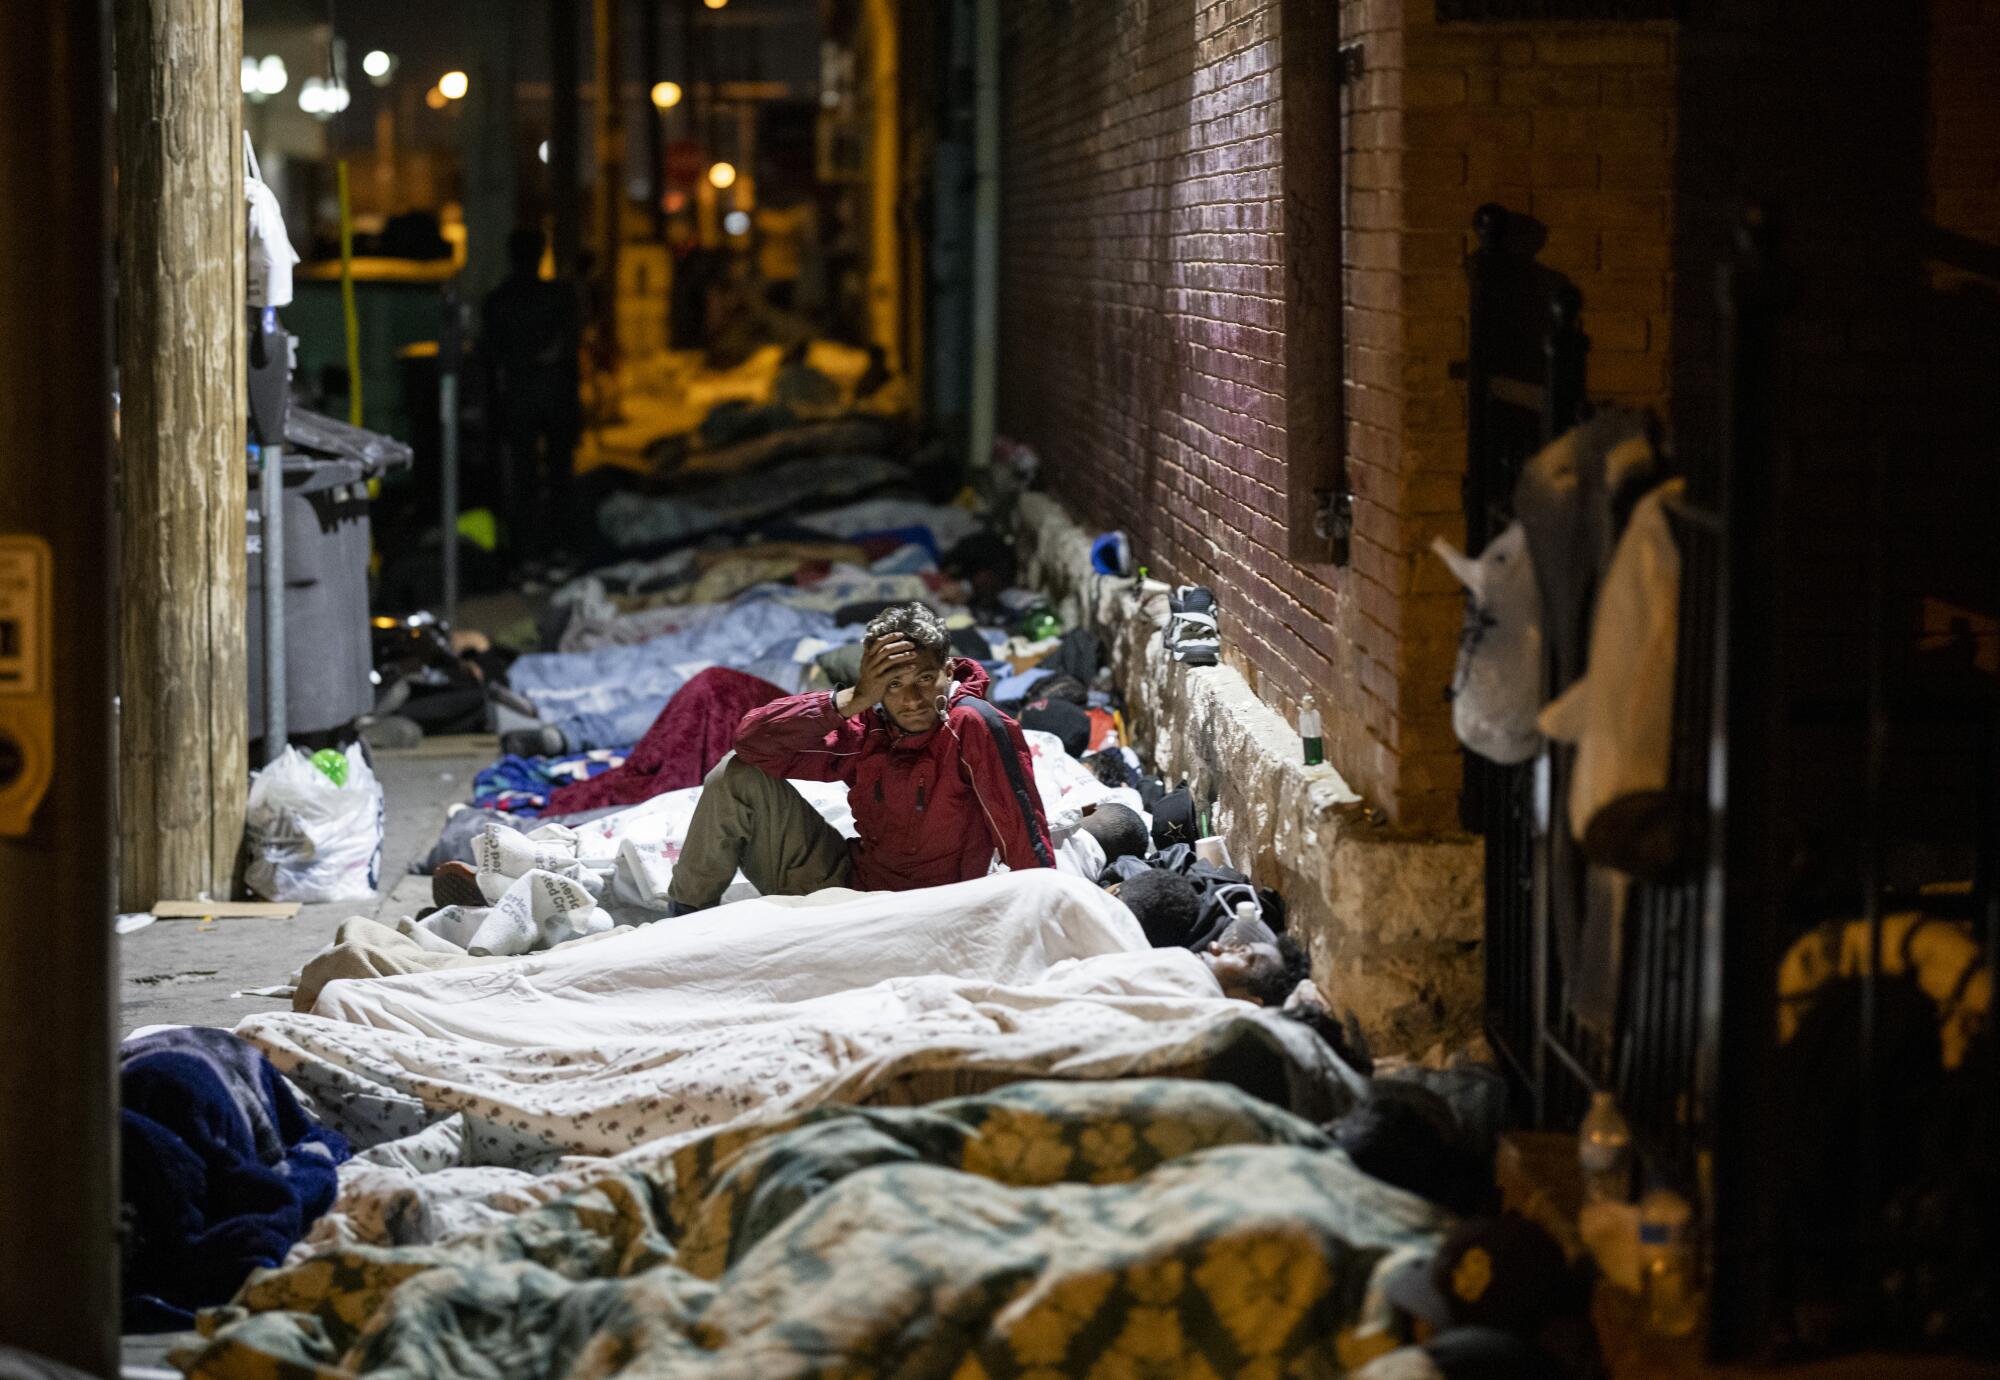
(27, 692)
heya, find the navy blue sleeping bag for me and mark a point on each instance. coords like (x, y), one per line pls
(221, 1173)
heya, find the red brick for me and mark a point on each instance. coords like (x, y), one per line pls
(1468, 129)
(1435, 332)
(1427, 89)
(1442, 208)
(1421, 168)
(1498, 168)
(1601, 50)
(1571, 249)
(1625, 250)
(1622, 291)
(1626, 373)
(1598, 130)
(1639, 88)
(1433, 291)
(1549, 169)
(1636, 170)
(1601, 210)
(1610, 330)
(1545, 87)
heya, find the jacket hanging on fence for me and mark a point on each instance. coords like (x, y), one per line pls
(1572, 499)
(1619, 713)
(1618, 717)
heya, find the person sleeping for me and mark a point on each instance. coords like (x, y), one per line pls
(941, 783)
(1248, 959)
(1013, 930)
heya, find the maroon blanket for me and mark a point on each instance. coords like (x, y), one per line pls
(694, 732)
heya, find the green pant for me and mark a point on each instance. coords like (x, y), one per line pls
(746, 819)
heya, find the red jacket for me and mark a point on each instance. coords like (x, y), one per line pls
(931, 807)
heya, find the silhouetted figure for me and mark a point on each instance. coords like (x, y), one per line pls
(529, 334)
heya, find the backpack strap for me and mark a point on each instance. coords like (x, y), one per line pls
(1010, 758)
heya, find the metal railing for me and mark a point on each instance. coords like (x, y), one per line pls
(1860, 1213)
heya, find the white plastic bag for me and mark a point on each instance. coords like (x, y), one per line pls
(311, 840)
(1497, 687)
(268, 252)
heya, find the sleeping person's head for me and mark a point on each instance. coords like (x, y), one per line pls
(1405, 1134)
(1165, 904)
(1260, 971)
(1119, 831)
(906, 665)
(1249, 961)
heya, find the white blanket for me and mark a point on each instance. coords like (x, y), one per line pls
(1012, 928)
(633, 1044)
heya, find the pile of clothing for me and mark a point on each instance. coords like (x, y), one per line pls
(221, 1172)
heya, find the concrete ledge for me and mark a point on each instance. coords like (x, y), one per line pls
(1393, 920)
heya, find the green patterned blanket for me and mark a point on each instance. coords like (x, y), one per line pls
(1118, 1230)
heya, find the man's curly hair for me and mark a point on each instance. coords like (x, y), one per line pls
(1270, 986)
(921, 625)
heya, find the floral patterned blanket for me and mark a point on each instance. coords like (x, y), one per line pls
(1153, 1227)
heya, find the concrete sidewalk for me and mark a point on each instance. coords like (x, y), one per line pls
(182, 972)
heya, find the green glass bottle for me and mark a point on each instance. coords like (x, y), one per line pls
(1311, 732)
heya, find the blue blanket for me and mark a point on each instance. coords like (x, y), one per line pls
(222, 1172)
(522, 785)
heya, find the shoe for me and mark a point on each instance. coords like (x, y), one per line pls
(456, 884)
(543, 740)
(512, 699)
(1192, 634)
(389, 732)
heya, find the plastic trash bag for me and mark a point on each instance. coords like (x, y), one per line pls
(1496, 690)
(311, 840)
(268, 252)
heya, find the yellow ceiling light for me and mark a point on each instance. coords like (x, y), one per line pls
(715, 4)
(436, 99)
(722, 175)
(666, 94)
(454, 85)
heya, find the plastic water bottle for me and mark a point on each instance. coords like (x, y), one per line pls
(1604, 1152)
(1310, 730)
(1666, 1264)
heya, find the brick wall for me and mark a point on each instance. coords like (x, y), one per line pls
(1572, 125)
(1144, 315)
(1146, 310)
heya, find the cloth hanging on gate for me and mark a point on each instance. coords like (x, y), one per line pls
(1619, 713)
(1572, 499)
(269, 254)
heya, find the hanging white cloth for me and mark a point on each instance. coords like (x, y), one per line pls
(269, 255)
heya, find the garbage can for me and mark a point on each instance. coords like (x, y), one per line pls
(326, 595)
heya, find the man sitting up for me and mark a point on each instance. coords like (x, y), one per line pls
(938, 779)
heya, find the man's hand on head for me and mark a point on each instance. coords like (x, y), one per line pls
(879, 661)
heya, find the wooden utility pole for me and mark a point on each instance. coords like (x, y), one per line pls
(183, 764)
(59, 1132)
